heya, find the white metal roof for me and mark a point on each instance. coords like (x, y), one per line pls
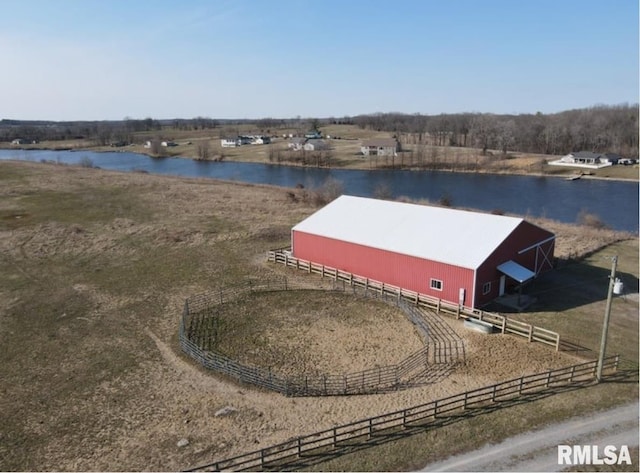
(516, 271)
(456, 237)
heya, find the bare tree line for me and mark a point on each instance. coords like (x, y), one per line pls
(601, 128)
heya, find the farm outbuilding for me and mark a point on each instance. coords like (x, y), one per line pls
(464, 257)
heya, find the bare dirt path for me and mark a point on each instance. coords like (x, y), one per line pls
(538, 450)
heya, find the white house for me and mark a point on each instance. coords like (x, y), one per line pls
(380, 147)
(229, 142)
(583, 159)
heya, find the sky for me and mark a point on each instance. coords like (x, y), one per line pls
(111, 59)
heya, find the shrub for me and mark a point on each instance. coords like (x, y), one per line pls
(589, 220)
(86, 162)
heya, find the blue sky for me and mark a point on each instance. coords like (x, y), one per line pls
(110, 59)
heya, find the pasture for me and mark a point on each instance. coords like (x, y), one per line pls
(96, 266)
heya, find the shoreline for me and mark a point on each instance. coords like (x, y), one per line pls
(346, 168)
(621, 234)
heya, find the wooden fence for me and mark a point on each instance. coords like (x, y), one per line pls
(197, 333)
(327, 441)
(499, 322)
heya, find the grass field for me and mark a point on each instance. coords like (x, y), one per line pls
(95, 268)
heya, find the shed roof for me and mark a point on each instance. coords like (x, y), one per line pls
(458, 237)
(381, 142)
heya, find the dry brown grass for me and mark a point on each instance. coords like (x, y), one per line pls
(95, 268)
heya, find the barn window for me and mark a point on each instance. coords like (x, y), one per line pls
(486, 288)
(436, 284)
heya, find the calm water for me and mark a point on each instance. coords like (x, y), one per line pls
(614, 203)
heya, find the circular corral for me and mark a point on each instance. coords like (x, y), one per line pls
(313, 342)
(314, 332)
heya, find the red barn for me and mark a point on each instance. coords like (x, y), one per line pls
(455, 255)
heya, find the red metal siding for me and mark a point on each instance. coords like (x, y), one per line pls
(408, 272)
(524, 236)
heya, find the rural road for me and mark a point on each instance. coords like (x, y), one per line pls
(538, 450)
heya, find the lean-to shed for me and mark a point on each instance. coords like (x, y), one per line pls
(455, 255)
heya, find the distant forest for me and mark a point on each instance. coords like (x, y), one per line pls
(603, 128)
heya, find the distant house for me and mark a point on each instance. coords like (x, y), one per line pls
(229, 142)
(585, 159)
(260, 140)
(313, 135)
(380, 147)
(244, 140)
(22, 141)
(316, 145)
(147, 144)
(168, 144)
(297, 144)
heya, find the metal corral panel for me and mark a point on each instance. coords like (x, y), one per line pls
(408, 272)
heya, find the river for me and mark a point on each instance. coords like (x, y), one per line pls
(615, 203)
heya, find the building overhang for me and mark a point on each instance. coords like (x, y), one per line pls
(516, 271)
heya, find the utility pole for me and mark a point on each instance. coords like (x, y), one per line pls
(607, 315)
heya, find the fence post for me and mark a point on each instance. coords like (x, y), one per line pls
(573, 371)
(557, 342)
(493, 393)
(370, 428)
(548, 379)
(464, 404)
(530, 332)
(504, 324)
(262, 457)
(521, 384)
(299, 447)
(335, 437)
(615, 365)
(404, 419)
(435, 409)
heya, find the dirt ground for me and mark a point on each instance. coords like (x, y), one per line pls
(95, 268)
